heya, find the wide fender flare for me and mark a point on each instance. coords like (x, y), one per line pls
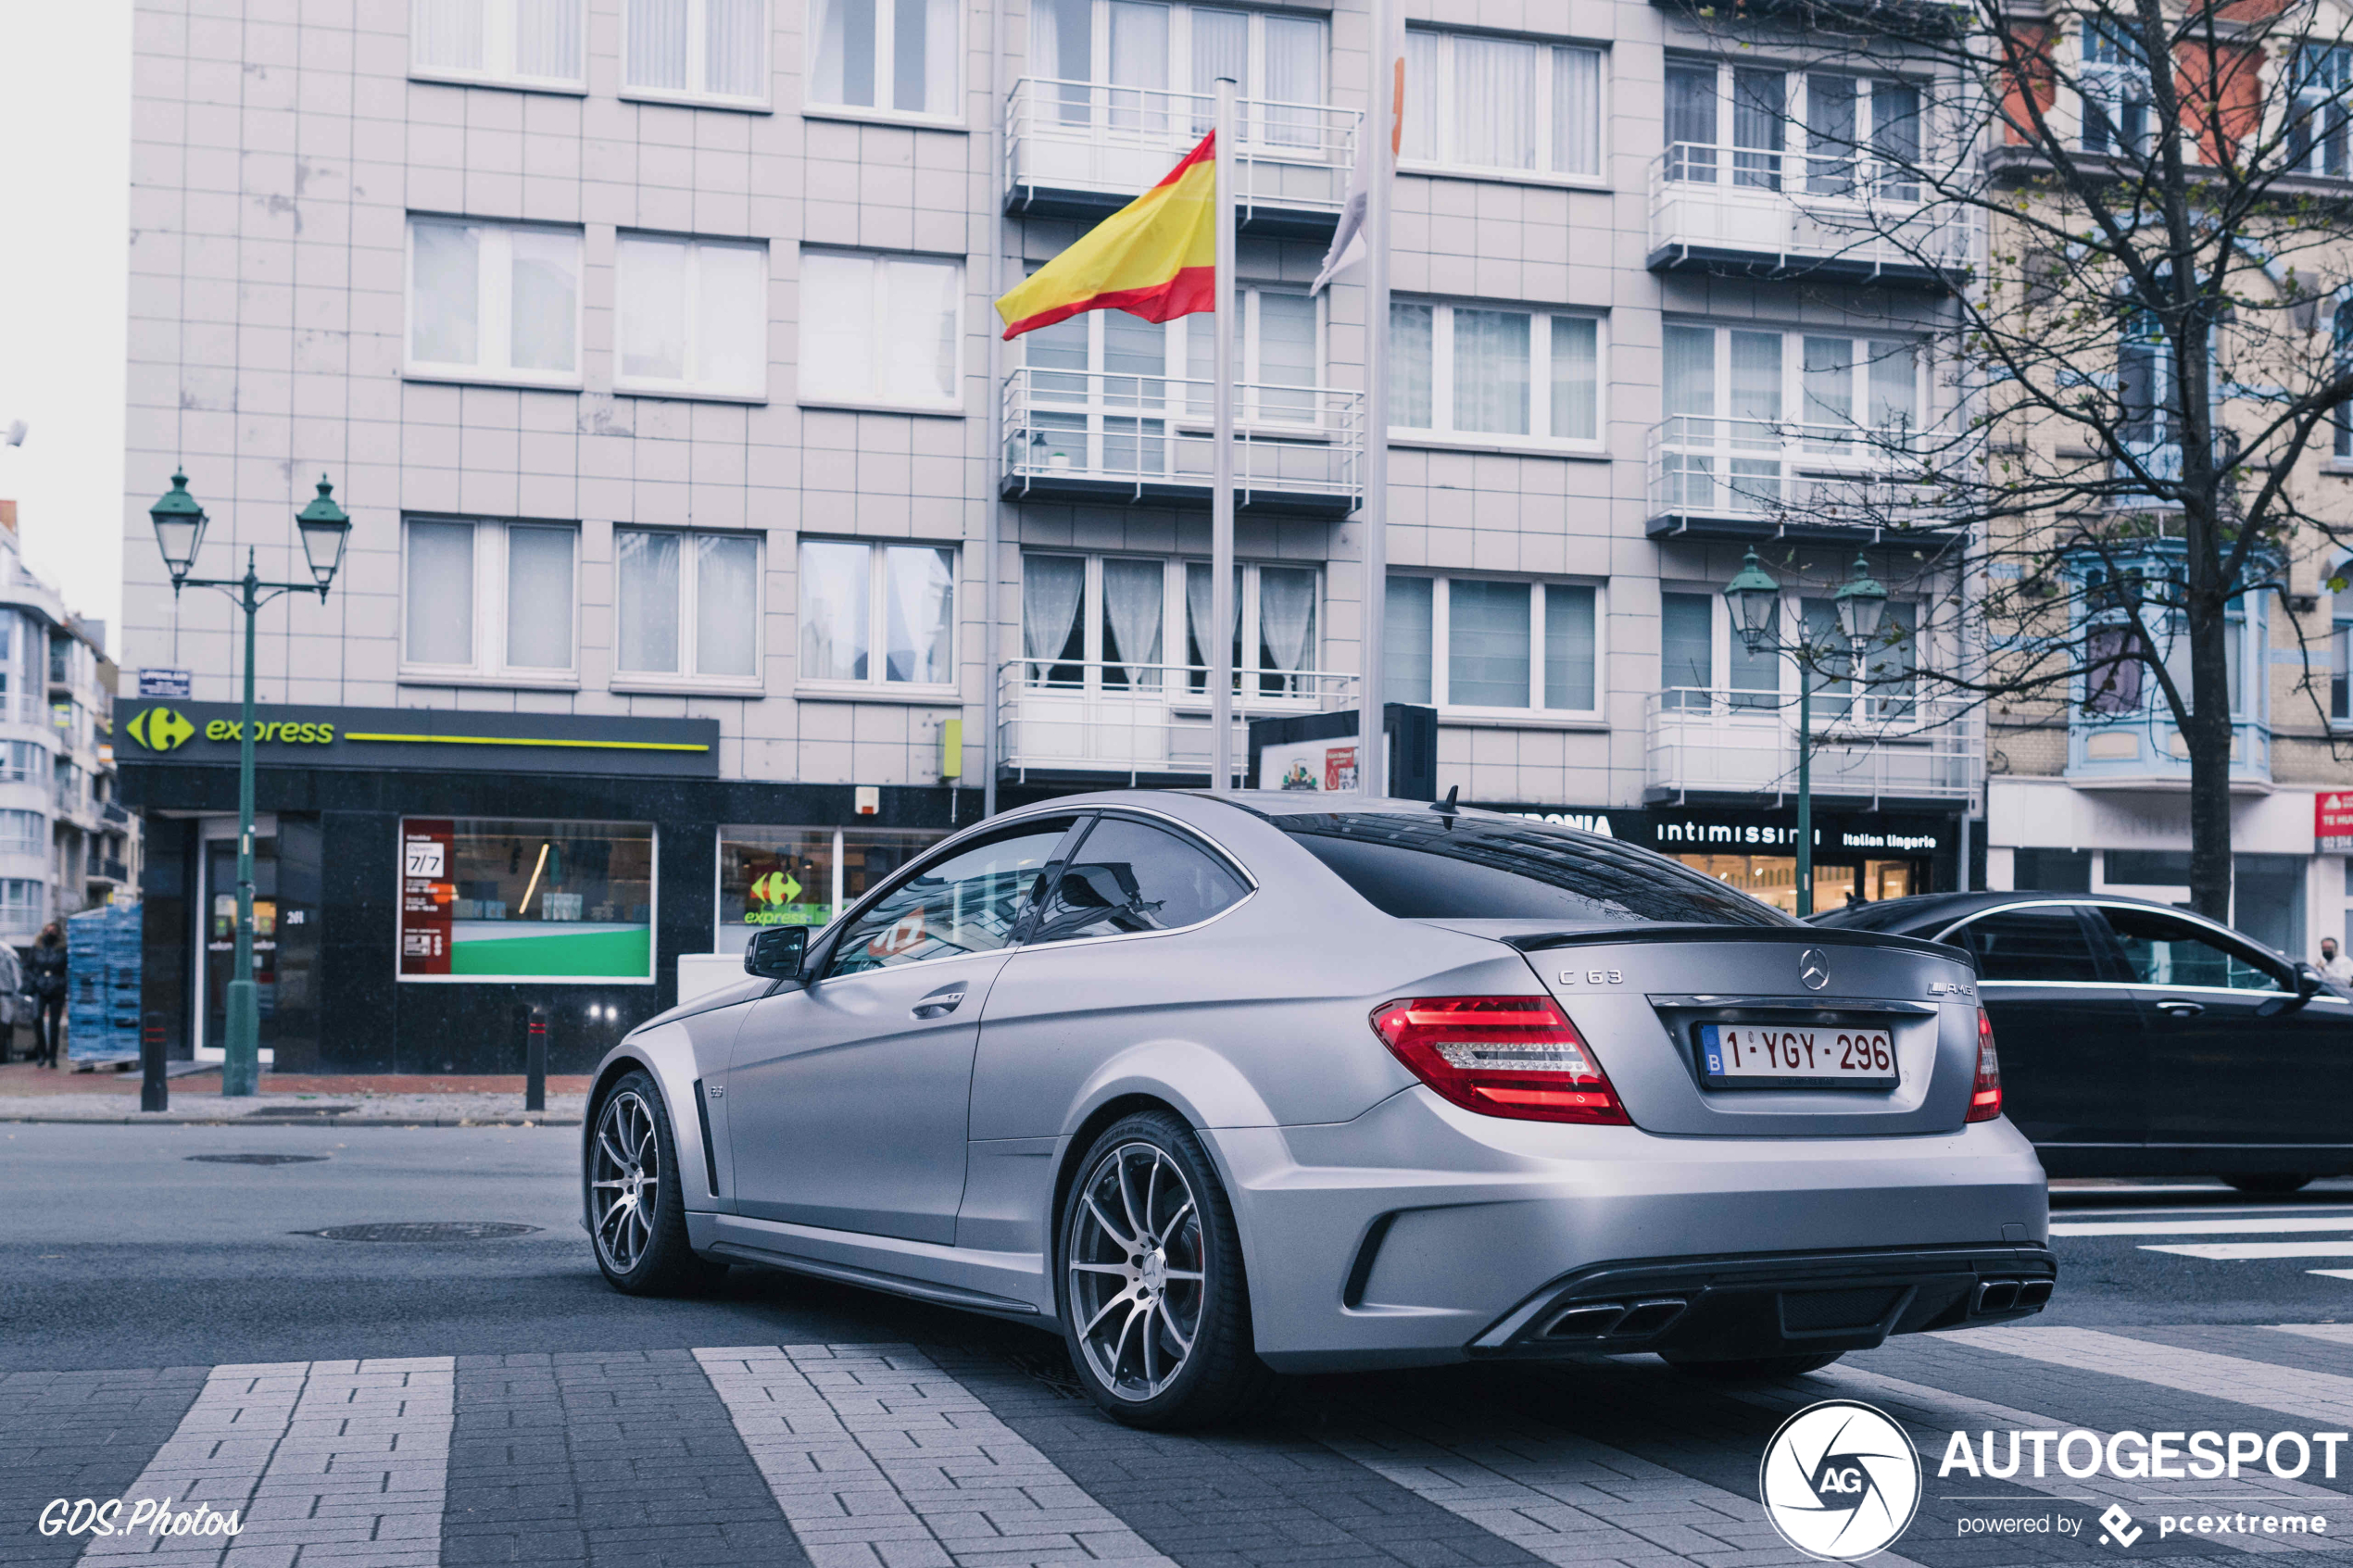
(668, 1056)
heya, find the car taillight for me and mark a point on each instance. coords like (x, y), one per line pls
(1985, 1094)
(1500, 1056)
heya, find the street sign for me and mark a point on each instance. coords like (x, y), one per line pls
(163, 683)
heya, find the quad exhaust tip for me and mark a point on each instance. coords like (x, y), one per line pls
(1615, 1320)
(2010, 1295)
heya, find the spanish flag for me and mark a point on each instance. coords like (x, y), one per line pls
(1156, 257)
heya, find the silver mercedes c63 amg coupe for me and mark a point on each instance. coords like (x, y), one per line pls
(1223, 1085)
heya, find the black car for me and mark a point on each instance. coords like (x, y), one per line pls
(2139, 1039)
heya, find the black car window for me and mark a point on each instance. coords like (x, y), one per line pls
(968, 902)
(2044, 945)
(1128, 876)
(2166, 950)
(1443, 866)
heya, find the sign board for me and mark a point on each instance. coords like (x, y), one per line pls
(432, 739)
(2332, 822)
(517, 900)
(1324, 751)
(163, 683)
(1309, 765)
(1674, 830)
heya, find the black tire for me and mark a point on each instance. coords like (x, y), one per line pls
(1756, 1369)
(2271, 1184)
(641, 1250)
(1219, 1377)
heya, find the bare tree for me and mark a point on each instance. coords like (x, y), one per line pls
(2140, 339)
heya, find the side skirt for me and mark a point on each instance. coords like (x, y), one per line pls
(1002, 1284)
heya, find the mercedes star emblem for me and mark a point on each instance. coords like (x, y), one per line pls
(1813, 969)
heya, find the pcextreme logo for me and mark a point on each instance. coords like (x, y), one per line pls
(1840, 1480)
(159, 729)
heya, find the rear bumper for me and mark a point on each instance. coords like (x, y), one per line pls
(1773, 1304)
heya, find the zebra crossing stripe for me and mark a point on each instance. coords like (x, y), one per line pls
(2320, 1397)
(341, 1460)
(876, 1455)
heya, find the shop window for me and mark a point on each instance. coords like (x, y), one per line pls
(508, 43)
(687, 605)
(880, 615)
(2146, 868)
(494, 302)
(802, 876)
(2051, 871)
(691, 316)
(1471, 642)
(702, 49)
(488, 601)
(489, 900)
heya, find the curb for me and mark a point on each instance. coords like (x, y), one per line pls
(167, 1120)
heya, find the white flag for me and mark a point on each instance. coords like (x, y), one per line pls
(1348, 239)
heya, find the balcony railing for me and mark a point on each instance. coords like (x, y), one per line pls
(108, 871)
(1749, 479)
(2142, 750)
(1885, 744)
(1139, 721)
(113, 814)
(1740, 209)
(1092, 435)
(1079, 149)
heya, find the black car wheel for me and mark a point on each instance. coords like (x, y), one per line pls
(636, 1213)
(2272, 1184)
(1754, 1369)
(1155, 1307)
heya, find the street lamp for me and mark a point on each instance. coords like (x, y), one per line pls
(180, 525)
(1755, 600)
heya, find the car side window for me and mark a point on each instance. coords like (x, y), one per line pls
(969, 902)
(2166, 950)
(2046, 947)
(1129, 876)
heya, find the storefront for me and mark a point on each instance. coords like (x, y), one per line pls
(420, 875)
(1866, 855)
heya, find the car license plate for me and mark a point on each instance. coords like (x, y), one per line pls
(1793, 1055)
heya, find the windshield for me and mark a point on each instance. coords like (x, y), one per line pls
(1466, 867)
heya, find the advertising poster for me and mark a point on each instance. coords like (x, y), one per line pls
(524, 900)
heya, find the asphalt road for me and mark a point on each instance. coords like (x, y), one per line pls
(123, 1251)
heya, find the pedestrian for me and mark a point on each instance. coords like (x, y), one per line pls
(47, 969)
(2334, 964)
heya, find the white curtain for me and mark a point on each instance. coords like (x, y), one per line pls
(1895, 384)
(942, 76)
(731, 318)
(1568, 647)
(1410, 332)
(650, 288)
(1495, 87)
(921, 324)
(1756, 382)
(1420, 137)
(1487, 642)
(657, 45)
(833, 610)
(1286, 617)
(1405, 649)
(1690, 374)
(843, 66)
(1286, 355)
(1050, 589)
(545, 299)
(1295, 71)
(1691, 122)
(1576, 111)
(1576, 377)
(1062, 48)
(1139, 60)
(1132, 593)
(547, 38)
(1828, 378)
(1198, 610)
(1221, 47)
(726, 604)
(448, 34)
(837, 324)
(921, 583)
(1490, 371)
(646, 601)
(445, 292)
(441, 593)
(539, 597)
(735, 47)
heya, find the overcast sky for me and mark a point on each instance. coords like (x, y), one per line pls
(65, 149)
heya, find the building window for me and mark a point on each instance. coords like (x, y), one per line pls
(24, 904)
(687, 605)
(485, 899)
(493, 301)
(899, 55)
(2114, 82)
(1107, 622)
(803, 876)
(1493, 102)
(1117, 362)
(851, 592)
(1163, 63)
(488, 599)
(881, 329)
(21, 761)
(512, 43)
(704, 49)
(2320, 89)
(1475, 642)
(23, 832)
(691, 316)
(1458, 370)
(1853, 135)
(2116, 682)
(2341, 676)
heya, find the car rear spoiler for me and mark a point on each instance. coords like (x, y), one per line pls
(1804, 936)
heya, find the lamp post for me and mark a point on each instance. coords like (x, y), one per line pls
(180, 525)
(1755, 600)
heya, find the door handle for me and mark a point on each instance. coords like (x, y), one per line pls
(2176, 1007)
(941, 1003)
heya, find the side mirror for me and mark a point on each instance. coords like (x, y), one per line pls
(776, 952)
(2310, 982)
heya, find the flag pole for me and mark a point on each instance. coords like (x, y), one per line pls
(1221, 495)
(1380, 115)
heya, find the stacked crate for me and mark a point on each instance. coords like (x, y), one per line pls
(102, 986)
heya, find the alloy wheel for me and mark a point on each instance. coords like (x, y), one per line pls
(1136, 1271)
(625, 1179)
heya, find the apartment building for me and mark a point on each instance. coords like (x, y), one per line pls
(649, 345)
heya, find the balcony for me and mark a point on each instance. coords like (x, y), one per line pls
(1142, 723)
(1721, 742)
(113, 814)
(1091, 436)
(1085, 149)
(1764, 478)
(108, 871)
(1836, 218)
(2145, 751)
